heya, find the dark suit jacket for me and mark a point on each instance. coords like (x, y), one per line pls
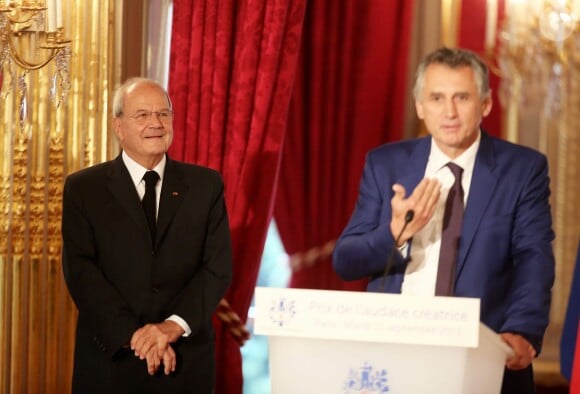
(505, 253)
(120, 280)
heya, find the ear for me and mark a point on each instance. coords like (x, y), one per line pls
(419, 109)
(487, 105)
(117, 128)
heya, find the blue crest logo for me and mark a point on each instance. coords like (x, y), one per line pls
(282, 311)
(366, 380)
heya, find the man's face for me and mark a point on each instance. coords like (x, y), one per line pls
(145, 129)
(451, 107)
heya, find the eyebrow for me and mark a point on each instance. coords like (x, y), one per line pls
(455, 94)
(148, 110)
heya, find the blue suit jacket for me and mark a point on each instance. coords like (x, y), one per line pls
(505, 255)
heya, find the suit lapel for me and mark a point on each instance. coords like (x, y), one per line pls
(415, 168)
(122, 188)
(172, 194)
(481, 189)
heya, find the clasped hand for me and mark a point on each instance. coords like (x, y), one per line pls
(152, 343)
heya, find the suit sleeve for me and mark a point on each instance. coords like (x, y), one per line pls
(366, 242)
(98, 302)
(533, 260)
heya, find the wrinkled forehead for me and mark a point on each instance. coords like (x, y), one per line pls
(145, 96)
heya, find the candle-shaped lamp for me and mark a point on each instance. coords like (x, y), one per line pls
(51, 15)
(58, 10)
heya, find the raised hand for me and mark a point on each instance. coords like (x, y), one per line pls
(422, 202)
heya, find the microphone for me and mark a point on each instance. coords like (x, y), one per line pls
(391, 259)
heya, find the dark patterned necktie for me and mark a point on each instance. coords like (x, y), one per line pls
(450, 236)
(149, 201)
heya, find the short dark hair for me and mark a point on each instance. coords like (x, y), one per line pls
(454, 58)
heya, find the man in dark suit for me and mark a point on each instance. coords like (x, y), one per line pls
(501, 253)
(145, 276)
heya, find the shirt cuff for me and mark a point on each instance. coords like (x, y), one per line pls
(404, 249)
(182, 323)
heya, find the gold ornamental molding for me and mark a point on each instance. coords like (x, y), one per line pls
(40, 143)
(450, 20)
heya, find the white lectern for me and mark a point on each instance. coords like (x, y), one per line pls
(324, 341)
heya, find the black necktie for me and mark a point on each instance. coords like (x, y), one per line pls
(149, 200)
(450, 236)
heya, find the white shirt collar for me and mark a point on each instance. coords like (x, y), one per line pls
(137, 171)
(466, 160)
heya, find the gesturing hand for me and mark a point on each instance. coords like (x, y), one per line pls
(422, 201)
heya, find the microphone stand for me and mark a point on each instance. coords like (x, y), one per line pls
(391, 258)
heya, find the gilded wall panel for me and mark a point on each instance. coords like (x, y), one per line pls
(38, 149)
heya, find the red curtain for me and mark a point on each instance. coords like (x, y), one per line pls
(349, 96)
(231, 75)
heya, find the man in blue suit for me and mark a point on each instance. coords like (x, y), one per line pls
(504, 247)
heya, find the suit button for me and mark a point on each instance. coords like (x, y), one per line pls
(155, 290)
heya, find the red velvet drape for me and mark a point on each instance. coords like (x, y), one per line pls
(349, 97)
(231, 75)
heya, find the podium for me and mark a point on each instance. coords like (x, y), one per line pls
(323, 341)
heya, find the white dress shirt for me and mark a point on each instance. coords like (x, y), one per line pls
(421, 273)
(137, 171)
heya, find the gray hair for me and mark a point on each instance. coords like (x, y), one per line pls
(454, 58)
(119, 96)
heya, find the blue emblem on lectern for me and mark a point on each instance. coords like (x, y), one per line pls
(366, 380)
(282, 311)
